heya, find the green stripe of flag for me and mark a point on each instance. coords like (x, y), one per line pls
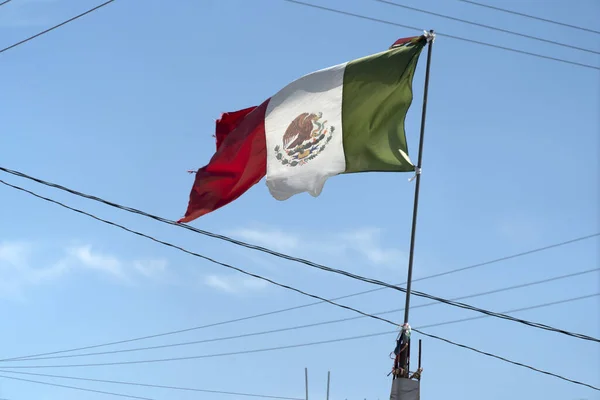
(377, 94)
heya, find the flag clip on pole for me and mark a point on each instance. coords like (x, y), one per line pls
(402, 350)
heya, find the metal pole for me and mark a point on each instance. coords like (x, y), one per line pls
(417, 187)
(416, 201)
(328, 380)
(306, 381)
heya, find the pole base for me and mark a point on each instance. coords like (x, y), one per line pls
(405, 389)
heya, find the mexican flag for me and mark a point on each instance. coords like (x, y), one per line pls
(342, 119)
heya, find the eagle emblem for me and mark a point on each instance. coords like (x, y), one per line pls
(304, 139)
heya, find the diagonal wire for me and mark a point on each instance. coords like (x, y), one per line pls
(151, 385)
(55, 26)
(464, 21)
(299, 307)
(383, 21)
(203, 232)
(332, 322)
(76, 388)
(514, 310)
(550, 21)
(262, 350)
(383, 333)
(5, 2)
(506, 317)
(269, 251)
(246, 335)
(267, 314)
(201, 356)
(272, 252)
(429, 335)
(191, 252)
(414, 292)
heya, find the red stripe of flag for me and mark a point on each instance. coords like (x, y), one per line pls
(239, 163)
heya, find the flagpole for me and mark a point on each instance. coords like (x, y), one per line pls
(416, 201)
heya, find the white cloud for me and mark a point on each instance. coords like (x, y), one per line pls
(123, 270)
(234, 284)
(17, 269)
(366, 242)
(153, 269)
(25, 265)
(14, 253)
(85, 257)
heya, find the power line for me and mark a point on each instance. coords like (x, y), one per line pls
(202, 356)
(303, 345)
(152, 386)
(552, 303)
(76, 388)
(192, 253)
(262, 350)
(507, 317)
(5, 2)
(271, 349)
(206, 233)
(336, 321)
(288, 309)
(308, 304)
(464, 21)
(246, 335)
(360, 337)
(414, 292)
(366, 18)
(55, 26)
(530, 16)
(260, 248)
(382, 21)
(273, 252)
(265, 250)
(507, 360)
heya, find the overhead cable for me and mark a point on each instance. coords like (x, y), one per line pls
(507, 360)
(312, 325)
(293, 346)
(203, 232)
(56, 26)
(262, 350)
(383, 21)
(465, 21)
(75, 388)
(550, 21)
(276, 253)
(128, 350)
(190, 252)
(179, 388)
(265, 314)
(414, 292)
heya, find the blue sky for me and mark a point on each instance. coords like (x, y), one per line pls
(122, 102)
